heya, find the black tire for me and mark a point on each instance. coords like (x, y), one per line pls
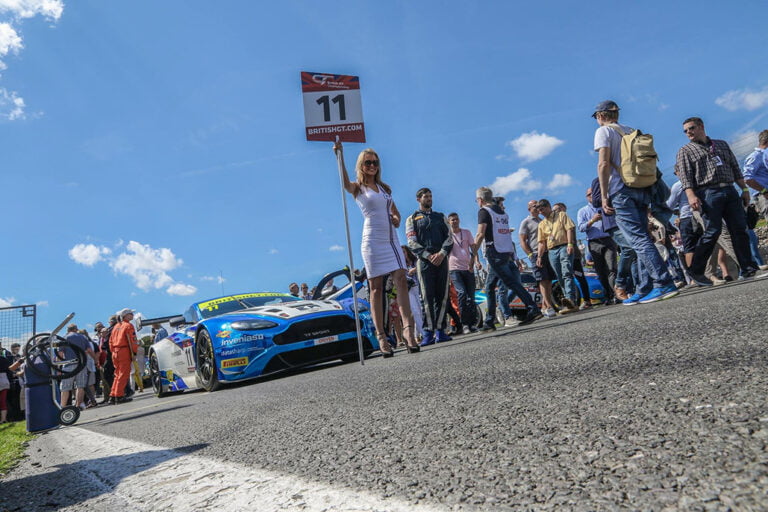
(154, 375)
(37, 351)
(206, 362)
(69, 415)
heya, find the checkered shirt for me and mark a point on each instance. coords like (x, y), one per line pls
(697, 167)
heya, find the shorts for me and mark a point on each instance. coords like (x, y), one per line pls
(79, 381)
(690, 232)
(91, 381)
(544, 272)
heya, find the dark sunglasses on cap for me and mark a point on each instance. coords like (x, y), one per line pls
(374, 163)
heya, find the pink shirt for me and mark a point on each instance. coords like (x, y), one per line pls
(460, 256)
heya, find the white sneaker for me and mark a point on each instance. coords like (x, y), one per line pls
(511, 322)
(549, 313)
(763, 267)
(466, 330)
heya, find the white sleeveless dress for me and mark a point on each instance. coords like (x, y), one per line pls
(381, 249)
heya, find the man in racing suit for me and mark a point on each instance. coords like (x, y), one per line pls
(123, 345)
(429, 237)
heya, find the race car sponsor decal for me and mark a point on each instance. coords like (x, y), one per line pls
(242, 339)
(214, 303)
(231, 363)
(223, 334)
(327, 339)
(239, 350)
(298, 308)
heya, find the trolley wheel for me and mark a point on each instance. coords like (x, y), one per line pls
(69, 415)
(37, 351)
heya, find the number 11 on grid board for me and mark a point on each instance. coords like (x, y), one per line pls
(332, 107)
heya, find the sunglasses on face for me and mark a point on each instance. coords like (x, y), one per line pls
(374, 163)
(691, 129)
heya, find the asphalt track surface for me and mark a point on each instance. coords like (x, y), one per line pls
(650, 407)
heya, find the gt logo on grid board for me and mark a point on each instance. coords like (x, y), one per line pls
(231, 363)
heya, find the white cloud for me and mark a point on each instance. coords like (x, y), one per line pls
(88, 254)
(42, 304)
(534, 145)
(518, 181)
(11, 104)
(743, 99)
(51, 9)
(274, 251)
(335, 248)
(148, 267)
(744, 143)
(560, 181)
(218, 279)
(181, 289)
(7, 302)
(10, 42)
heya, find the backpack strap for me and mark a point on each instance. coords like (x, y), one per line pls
(621, 133)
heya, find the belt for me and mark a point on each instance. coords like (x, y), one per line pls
(718, 185)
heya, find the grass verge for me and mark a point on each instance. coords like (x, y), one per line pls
(13, 440)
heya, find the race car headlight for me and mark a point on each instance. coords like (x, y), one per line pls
(253, 325)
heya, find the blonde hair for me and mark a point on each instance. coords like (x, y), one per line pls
(377, 177)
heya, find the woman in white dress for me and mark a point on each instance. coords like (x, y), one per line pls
(380, 247)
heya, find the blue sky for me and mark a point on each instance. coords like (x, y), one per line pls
(151, 147)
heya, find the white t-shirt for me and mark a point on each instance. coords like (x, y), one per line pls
(606, 137)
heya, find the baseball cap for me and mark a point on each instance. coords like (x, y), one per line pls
(123, 312)
(605, 105)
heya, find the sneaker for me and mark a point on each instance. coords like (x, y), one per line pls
(549, 313)
(568, 303)
(429, 339)
(620, 293)
(511, 322)
(679, 284)
(123, 399)
(585, 305)
(441, 337)
(473, 329)
(465, 330)
(531, 317)
(566, 309)
(633, 300)
(717, 282)
(700, 280)
(488, 328)
(748, 274)
(728, 279)
(658, 294)
(763, 267)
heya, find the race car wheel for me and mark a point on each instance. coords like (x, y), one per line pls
(206, 362)
(154, 374)
(69, 415)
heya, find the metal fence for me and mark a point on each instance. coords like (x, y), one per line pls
(17, 324)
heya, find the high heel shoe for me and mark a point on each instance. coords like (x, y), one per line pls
(410, 343)
(384, 345)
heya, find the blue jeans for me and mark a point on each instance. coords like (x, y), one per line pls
(562, 263)
(753, 245)
(626, 259)
(718, 204)
(464, 282)
(503, 269)
(631, 206)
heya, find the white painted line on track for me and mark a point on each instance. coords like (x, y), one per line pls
(146, 477)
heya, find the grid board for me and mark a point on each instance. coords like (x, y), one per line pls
(17, 325)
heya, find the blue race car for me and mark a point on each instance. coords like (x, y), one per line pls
(239, 337)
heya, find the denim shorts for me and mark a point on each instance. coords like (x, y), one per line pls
(544, 272)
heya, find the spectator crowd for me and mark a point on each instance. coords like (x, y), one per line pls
(644, 242)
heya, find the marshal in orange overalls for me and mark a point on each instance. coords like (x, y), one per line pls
(123, 345)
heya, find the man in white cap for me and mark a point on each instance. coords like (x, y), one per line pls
(123, 345)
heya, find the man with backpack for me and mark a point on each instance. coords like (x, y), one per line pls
(708, 169)
(626, 170)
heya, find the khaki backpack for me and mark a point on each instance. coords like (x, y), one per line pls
(638, 158)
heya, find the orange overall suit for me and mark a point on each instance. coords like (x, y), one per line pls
(123, 345)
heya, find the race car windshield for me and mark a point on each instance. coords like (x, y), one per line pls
(236, 303)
